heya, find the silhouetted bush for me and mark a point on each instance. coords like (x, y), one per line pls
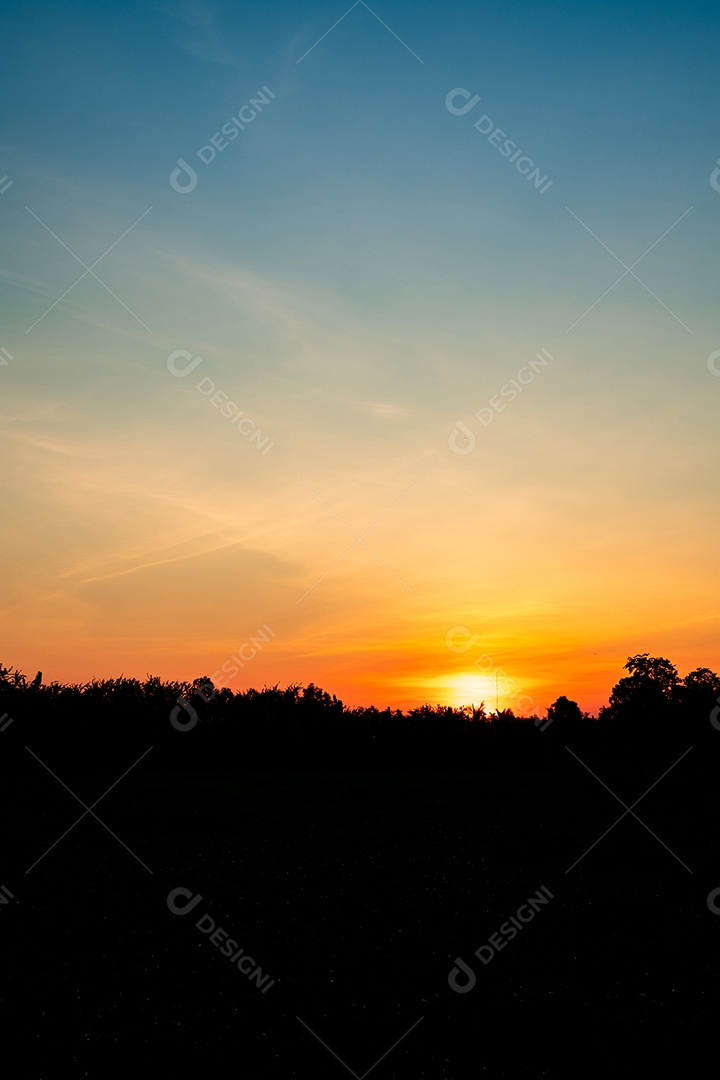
(190, 725)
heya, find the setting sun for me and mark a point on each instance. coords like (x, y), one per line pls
(216, 460)
(359, 396)
(468, 689)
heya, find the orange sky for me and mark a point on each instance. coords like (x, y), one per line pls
(361, 449)
(133, 565)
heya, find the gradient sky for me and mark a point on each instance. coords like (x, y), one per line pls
(358, 270)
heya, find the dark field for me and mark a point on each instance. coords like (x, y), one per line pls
(355, 893)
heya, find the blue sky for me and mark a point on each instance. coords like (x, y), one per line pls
(358, 270)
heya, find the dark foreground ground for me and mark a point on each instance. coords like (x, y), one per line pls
(356, 893)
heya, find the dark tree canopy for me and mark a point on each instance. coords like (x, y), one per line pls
(190, 723)
(657, 669)
(564, 711)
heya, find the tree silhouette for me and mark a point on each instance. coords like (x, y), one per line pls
(565, 713)
(103, 721)
(647, 692)
(656, 668)
(702, 681)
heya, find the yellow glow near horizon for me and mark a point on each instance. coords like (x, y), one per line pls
(409, 512)
(177, 546)
(469, 689)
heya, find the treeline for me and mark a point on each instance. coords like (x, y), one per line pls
(191, 725)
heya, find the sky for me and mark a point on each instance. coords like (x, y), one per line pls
(407, 384)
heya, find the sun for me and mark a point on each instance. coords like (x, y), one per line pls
(455, 689)
(469, 689)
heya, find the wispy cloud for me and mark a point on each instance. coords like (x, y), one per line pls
(202, 35)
